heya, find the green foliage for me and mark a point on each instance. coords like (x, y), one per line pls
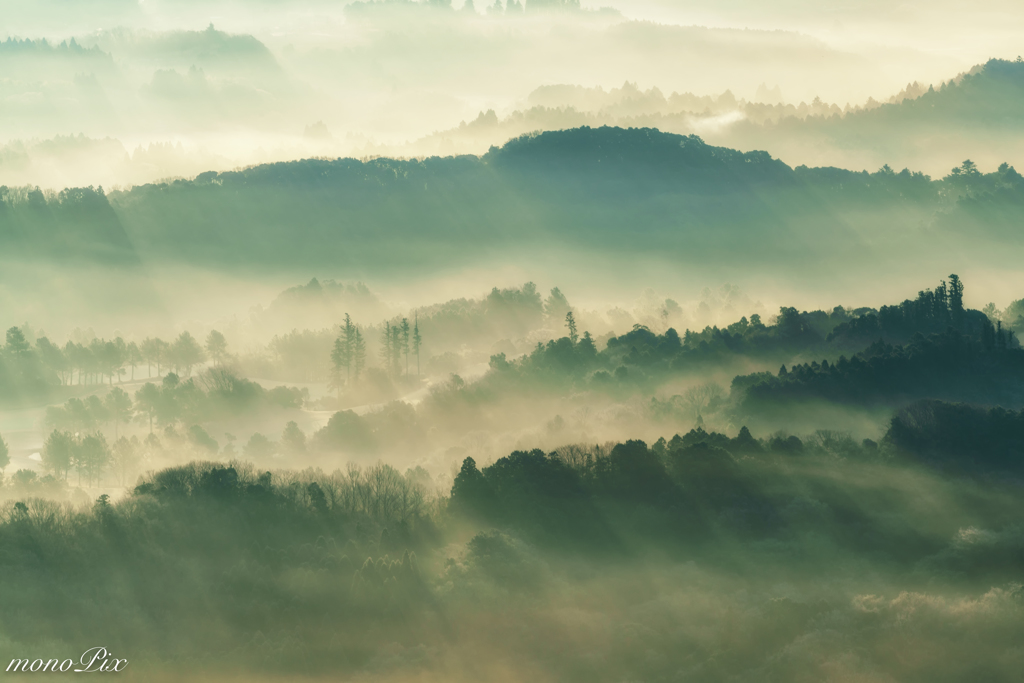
(960, 437)
(198, 437)
(346, 431)
(947, 365)
(216, 347)
(259, 448)
(293, 440)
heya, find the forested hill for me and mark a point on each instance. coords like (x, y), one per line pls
(976, 115)
(610, 188)
(990, 96)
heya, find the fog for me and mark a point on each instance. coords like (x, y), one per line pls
(126, 93)
(547, 340)
(521, 481)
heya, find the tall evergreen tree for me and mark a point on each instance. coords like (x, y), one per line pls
(956, 301)
(385, 351)
(348, 334)
(417, 341)
(358, 352)
(5, 454)
(570, 322)
(941, 303)
(342, 354)
(405, 343)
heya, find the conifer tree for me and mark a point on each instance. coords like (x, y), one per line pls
(405, 343)
(341, 355)
(570, 322)
(417, 341)
(358, 352)
(385, 351)
(956, 301)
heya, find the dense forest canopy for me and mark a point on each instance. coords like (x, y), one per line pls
(576, 189)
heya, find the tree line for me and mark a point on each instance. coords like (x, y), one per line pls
(398, 342)
(36, 365)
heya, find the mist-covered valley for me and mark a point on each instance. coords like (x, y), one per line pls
(528, 340)
(749, 491)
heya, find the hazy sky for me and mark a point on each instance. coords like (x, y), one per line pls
(159, 95)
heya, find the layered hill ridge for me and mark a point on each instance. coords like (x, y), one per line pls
(640, 190)
(975, 114)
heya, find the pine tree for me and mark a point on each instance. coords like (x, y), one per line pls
(405, 343)
(341, 355)
(417, 341)
(956, 301)
(348, 334)
(385, 351)
(941, 304)
(570, 322)
(358, 352)
(5, 454)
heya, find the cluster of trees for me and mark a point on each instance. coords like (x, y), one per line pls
(216, 394)
(351, 537)
(300, 355)
(178, 407)
(342, 355)
(240, 564)
(260, 449)
(394, 424)
(580, 494)
(950, 365)
(398, 342)
(79, 415)
(33, 368)
(1012, 316)
(91, 456)
(571, 355)
(73, 224)
(23, 376)
(505, 313)
(932, 311)
(960, 437)
(349, 353)
(642, 353)
(642, 356)
(617, 496)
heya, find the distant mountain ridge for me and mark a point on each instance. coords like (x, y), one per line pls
(975, 115)
(638, 191)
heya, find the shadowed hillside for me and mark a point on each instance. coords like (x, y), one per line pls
(588, 190)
